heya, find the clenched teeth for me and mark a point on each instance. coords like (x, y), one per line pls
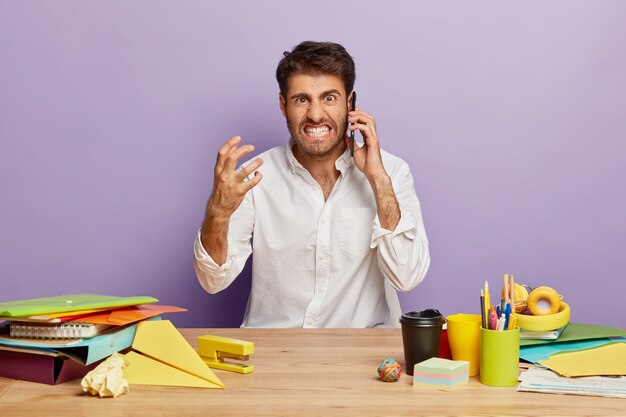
(317, 131)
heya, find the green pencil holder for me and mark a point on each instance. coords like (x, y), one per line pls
(499, 357)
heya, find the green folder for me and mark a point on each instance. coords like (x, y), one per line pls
(68, 303)
(579, 331)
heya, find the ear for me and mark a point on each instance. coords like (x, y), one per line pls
(350, 98)
(282, 103)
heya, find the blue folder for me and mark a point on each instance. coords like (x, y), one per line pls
(85, 351)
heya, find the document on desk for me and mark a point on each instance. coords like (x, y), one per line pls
(606, 360)
(545, 381)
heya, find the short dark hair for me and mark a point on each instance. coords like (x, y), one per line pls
(311, 57)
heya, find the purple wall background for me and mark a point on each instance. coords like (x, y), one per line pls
(511, 117)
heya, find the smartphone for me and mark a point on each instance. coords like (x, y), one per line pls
(352, 108)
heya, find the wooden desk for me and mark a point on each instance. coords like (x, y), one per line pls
(329, 372)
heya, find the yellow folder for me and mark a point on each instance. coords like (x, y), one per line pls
(162, 356)
(602, 360)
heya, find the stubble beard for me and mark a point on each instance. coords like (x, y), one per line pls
(317, 149)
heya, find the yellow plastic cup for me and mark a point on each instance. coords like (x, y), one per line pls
(499, 357)
(464, 339)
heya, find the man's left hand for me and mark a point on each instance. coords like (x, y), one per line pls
(369, 161)
(367, 158)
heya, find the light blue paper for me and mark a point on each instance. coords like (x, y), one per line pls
(538, 353)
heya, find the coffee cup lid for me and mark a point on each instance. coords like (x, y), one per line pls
(428, 317)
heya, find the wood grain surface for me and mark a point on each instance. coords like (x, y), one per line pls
(325, 372)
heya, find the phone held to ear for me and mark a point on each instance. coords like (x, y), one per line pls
(352, 108)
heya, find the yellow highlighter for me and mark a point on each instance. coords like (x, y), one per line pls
(213, 350)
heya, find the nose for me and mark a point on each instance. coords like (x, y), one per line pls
(315, 112)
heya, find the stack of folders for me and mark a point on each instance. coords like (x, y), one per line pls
(57, 339)
(586, 359)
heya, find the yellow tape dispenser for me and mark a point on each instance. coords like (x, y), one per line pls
(213, 350)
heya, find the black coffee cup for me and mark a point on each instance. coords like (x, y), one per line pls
(421, 335)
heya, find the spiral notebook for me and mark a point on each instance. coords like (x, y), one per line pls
(68, 330)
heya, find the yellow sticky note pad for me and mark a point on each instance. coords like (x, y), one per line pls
(602, 360)
(162, 356)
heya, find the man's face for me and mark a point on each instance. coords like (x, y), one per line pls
(316, 110)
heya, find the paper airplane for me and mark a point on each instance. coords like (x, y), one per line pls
(162, 356)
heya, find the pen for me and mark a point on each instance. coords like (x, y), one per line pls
(501, 322)
(507, 315)
(493, 319)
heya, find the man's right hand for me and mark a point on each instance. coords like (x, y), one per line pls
(229, 184)
(229, 188)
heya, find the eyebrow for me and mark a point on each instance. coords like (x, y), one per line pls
(324, 94)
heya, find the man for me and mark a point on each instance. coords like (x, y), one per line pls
(325, 229)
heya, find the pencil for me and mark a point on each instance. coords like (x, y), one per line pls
(482, 308)
(512, 287)
(505, 283)
(487, 300)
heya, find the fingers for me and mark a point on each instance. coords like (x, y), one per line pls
(360, 116)
(229, 154)
(235, 155)
(251, 167)
(253, 181)
(365, 123)
(368, 132)
(224, 151)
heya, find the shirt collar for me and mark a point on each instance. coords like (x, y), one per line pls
(343, 163)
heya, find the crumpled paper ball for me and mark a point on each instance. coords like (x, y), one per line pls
(107, 379)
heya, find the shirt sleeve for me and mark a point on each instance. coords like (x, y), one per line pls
(403, 255)
(213, 277)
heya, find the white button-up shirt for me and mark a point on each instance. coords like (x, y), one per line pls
(319, 263)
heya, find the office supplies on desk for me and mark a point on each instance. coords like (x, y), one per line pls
(544, 335)
(67, 303)
(546, 381)
(83, 351)
(605, 360)
(67, 330)
(162, 356)
(126, 315)
(464, 339)
(442, 374)
(389, 370)
(497, 317)
(487, 298)
(54, 317)
(499, 357)
(493, 319)
(213, 350)
(580, 331)
(536, 353)
(483, 313)
(42, 366)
